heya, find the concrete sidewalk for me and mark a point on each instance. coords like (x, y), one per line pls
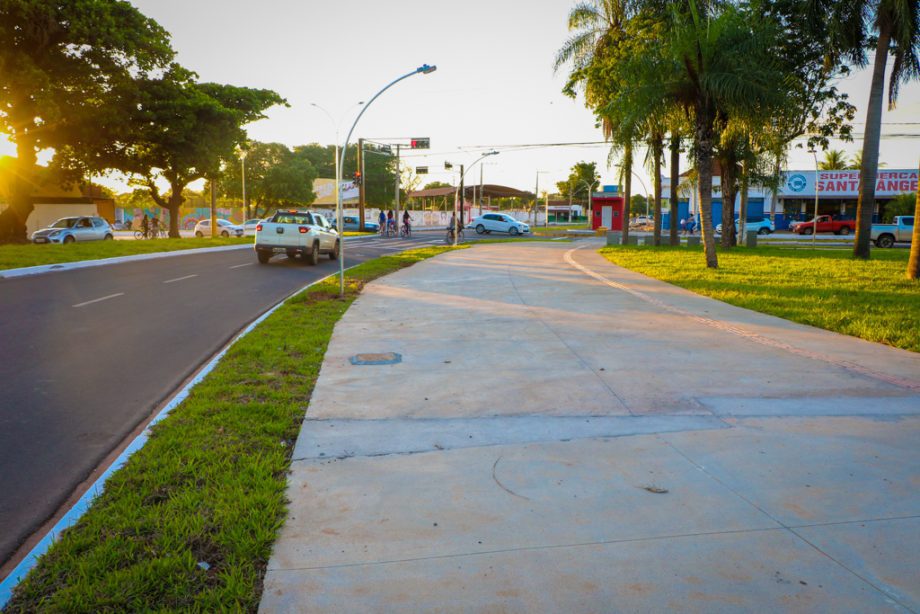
(563, 435)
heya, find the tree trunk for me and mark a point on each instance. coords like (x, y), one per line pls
(742, 211)
(627, 189)
(913, 265)
(865, 207)
(175, 201)
(13, 219)
(675, 181)
(657, 151)
(704, 172)
(774, 193)
(728, 200)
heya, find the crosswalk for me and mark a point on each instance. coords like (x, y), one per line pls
(394, 244)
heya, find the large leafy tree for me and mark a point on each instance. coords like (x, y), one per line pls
(173, 130)
(379, 169)
(59, 61)
(582, 176)
(894, 27)
(275, 177)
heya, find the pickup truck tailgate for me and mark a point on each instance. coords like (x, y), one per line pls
(277, 234)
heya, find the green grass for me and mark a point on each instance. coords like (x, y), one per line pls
(823, 288)
(29, 254)
(209, 485)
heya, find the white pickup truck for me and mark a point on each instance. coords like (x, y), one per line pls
(886, 235)
(296, 233)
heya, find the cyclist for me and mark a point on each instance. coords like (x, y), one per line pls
(407, 223)
(391, 223)
(154, 227)
(145, 226)
(382, 222)
(451, 227)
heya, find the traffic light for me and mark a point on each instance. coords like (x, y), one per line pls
(420, 143)
(421, 170)
(448, 166)
(357, 178)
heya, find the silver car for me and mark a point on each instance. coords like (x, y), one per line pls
(72, 229)
(498, 222)
(225, 228)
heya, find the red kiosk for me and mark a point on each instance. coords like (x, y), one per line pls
(607, 211)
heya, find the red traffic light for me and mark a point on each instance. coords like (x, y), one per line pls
(420, 143)
(357, 179)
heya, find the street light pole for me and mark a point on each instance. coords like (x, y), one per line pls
(243, 162)
(590, 207)
(642, 183)
(424, 69)
(536, 197)
(457, 221)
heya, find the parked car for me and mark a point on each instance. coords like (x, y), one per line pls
(641, 220)
(296, 233)
(226, 228)
(825, 223)
(761, 227)
(72, 229)
(249, 226)
(886, 235)
(350, 223)
(498, 222)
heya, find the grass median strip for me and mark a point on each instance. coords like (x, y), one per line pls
(188, 523)
(29, 254)
(828, 289)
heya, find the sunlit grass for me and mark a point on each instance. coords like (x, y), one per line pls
(823, 288)
(188, 524)
(29, 254)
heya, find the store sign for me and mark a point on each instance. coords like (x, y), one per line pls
(845, 184)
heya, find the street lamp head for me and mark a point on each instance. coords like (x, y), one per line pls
(426, 69)
(491, 153)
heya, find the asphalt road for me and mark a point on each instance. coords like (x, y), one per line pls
(87, 354)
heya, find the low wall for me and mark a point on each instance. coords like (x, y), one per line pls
(432, 219)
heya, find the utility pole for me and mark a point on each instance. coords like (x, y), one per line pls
(462, 198)
(536, 197)
(480, 189)
(360, 167)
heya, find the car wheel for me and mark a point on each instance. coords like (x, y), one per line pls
(107, 237)
(513, 231)
(885, 241)
(763, 231)
(225, 234)
(263, 256)
(312, 257)
(334, 254)
(68, 239)
(480, 229)
(199, 234)
(807, 231)
(845, 230)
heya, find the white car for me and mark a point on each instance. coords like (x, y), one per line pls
(226, 228)
(296, 233)
(249, 226)
(761, 227)
(498, 222)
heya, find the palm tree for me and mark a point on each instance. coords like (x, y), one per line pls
(913, 265)
(897, 24)
(834, 160)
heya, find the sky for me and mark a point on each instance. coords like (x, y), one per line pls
(494, 85)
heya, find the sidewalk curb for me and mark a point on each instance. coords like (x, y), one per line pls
(83, 264)
(8, 584)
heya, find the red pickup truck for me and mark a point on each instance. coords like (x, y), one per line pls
(826, 224)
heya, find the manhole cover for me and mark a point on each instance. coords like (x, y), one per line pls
(383, 358)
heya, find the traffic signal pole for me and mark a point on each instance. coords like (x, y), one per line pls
(398, 177)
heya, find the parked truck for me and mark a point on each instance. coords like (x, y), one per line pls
(296, 233)
(886, 235)
(825, 223)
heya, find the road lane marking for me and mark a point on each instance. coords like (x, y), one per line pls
(240, 265)
(96, 300)
(169, 281)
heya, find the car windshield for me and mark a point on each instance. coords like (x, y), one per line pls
(67, 222)
(223, 223)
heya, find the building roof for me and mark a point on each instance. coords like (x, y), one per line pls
(488, 189)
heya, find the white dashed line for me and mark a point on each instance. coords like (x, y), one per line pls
(236, 266)
(169, 281)
(96, 300)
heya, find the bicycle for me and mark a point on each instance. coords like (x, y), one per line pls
(391, 230)
(405, 231)
(449, 237)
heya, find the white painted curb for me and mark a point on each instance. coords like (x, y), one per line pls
(82, 505)
(83, 264)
